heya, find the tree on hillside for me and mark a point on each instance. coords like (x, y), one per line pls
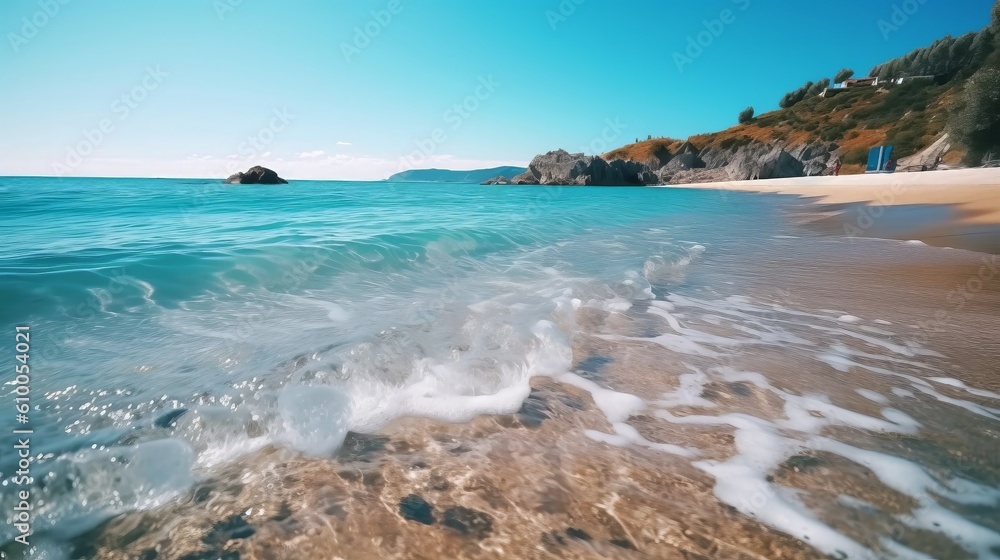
(818, 87)
(793, 97)
(981, 48)
(944, 56)
(978, 125)
(746, 115)
(843, 76)
(995, 15)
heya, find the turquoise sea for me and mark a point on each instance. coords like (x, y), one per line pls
(181, 326)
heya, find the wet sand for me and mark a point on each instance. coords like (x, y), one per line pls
(953, 208)
(577, 473)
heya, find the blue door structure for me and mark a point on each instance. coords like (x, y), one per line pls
(878, 157)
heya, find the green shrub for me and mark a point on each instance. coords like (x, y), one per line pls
(977, 125)
(843, 76)
(907, 137)
(769, 120)
(857, 156)
(834, 132)
(746, 115)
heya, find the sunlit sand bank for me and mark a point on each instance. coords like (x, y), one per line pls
(953, 208)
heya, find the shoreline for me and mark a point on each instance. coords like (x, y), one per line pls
(957, 208)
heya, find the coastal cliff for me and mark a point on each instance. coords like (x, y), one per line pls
(688, 164)
(937, 106)
(560, 167)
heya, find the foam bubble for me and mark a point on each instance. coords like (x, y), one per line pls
(617, 407)
(315, 419)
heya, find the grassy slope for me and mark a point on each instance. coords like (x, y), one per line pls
(910, 117)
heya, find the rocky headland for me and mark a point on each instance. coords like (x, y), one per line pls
(688, 164)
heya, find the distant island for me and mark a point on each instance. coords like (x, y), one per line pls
(474, 176)
(256, 175)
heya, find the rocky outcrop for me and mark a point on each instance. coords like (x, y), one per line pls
(763, 161)
(688, 156)
(815, 157)
(746, 160)
(660, 157)
(749, 160)
(689, 176)
(927, 159)
(563, 168)
(501, 180)
(256, 175)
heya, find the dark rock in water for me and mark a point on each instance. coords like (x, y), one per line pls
(622, 543)
(256, 175)
(801, 463)
(362, 447)
(233, 528)
(468, 522)
(552, 539)
(203, 492)
(742, 389)
(461, 449)
(591, 367)
(167, 420)
(415, 508)
(283, 513)
(534, 410)
(563, 168)
(526, 178)
(501, 180)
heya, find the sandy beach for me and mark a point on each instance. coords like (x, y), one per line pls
(953, 208)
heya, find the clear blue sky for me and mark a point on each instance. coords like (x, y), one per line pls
(201, 76)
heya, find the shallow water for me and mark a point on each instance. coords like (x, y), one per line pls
(536, 372)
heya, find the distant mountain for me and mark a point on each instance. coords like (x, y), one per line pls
(474, 176)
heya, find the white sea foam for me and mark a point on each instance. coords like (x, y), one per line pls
(626, 435)
(617, 407)
(872, 396)
(762, 445)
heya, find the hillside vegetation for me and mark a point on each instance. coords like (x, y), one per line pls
(963, 99)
